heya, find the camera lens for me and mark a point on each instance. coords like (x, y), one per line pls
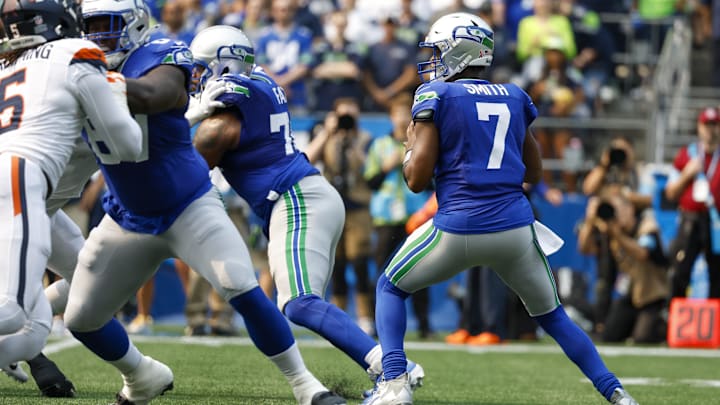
(605, 211)
(617, 156)
(346, 121)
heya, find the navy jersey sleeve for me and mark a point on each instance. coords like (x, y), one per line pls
(528, 106)
(161, 51)
(237, 91)
(427, 97)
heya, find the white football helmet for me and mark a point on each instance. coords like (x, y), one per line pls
(462, 40)
(218, 50)
(129, 26)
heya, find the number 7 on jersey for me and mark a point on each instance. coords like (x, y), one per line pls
(501, 110)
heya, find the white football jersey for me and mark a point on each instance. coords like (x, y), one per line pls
(81, 166)
(41, 114)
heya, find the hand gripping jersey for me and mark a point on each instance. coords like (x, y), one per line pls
(147, 196)
(266, 162)
(479, 173)
(41, 113)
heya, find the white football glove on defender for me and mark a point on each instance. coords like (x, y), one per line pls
(202, 106)
(118, 86)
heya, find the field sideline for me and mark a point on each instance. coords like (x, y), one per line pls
(231, 371)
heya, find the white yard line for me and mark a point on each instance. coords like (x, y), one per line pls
(609, 351)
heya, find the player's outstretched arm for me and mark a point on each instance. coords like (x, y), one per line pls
(532, 159)
(121, 133)
(217, 135)
(161, 89)
(421, 154)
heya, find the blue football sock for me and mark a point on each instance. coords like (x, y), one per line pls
(110, 342)
(391, 322)
(333, 324)
(580, 349)
(266, 326)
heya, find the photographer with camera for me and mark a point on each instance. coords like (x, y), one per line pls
(695, 185)
(618, 173)
(342, 147)
(633, 240)
(617, 166)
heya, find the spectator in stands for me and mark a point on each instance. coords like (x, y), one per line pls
(361, 28)
(616, 170)
(635, 244)
(390, 68)
(173, 22)
(255, 20)
(342, 146)
(545, 22)
(695, 185)
(653, 20)
(410, 27)
(199, 14)
(284, 50)
(305, 18)
(392, 202)
(595, 47)
(233, 13)
(557, 93)
(338, 69)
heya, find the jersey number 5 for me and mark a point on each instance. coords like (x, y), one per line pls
(11, 108)
(501, 110)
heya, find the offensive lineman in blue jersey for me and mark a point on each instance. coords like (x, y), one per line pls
(250, 140)
(472, 137)
(162, 206)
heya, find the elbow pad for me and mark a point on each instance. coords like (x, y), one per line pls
(424, 116)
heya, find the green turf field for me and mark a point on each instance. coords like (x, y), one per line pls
(231, 371)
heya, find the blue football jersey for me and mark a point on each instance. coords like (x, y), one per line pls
(147, 196)
(266, 162)
(479, 173)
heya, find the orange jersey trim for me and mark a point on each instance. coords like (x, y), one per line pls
(15, 176)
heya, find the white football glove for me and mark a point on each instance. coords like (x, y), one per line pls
(118, 86)
(202, 106)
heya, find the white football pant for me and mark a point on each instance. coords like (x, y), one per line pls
(24, 240)
(305, 226)
(115, 262)
(430, 256)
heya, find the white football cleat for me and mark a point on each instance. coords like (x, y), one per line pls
(391, 392)
(16, 372)
(148, 381)
(621, 397)
(416, 375)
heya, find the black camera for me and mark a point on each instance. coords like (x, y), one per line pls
(605, 211)
(346, 122)
(617, 156)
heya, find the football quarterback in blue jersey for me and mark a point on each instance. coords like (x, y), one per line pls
(250, 140)
(161, 206)
(472, 138)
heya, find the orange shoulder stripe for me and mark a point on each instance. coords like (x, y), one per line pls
(90, 54)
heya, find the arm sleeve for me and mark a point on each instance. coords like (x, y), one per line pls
(120, 136)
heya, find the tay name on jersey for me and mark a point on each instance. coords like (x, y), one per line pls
(266, 162)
